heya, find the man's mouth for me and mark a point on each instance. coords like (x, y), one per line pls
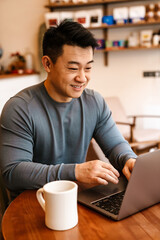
(77, 86)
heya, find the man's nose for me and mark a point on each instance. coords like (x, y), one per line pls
(81, 77)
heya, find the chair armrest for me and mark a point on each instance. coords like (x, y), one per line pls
(136, 144)
(134, 117)
(125, 123)
(144, 116)
(131, 125)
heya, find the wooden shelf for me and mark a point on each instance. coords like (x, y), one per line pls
(103, 26)
(132, 48)
(67, 5)
(90, 3)
(62, 5)
(13, 75)
(116, 49)
(145, 23)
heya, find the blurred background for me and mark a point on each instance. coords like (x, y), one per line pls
(22, 24)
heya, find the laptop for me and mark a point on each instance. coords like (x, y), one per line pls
(121, 200)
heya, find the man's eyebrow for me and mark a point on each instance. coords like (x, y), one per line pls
(90, 61)
(74, 62)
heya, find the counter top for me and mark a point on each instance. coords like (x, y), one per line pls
(12, 75)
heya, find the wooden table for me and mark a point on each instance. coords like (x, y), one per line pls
(24, 220)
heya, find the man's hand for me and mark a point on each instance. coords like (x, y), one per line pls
(97, 172)
(128, 167)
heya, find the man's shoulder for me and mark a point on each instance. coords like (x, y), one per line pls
(92, 96)
(22, 99)
(93, 103)
(28, 93)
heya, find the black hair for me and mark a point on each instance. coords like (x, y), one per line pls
(69, 33)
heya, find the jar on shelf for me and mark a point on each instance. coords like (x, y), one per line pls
(150, 12)
(155, 39)
(150, 7)
(133, 40)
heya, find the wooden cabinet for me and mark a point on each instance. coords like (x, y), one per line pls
(61, 6)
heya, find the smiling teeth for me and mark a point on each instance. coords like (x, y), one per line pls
(76, 86)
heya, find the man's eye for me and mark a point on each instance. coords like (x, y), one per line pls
(73, 69)
(88, 68)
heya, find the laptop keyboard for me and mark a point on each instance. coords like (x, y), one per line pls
(111, 204)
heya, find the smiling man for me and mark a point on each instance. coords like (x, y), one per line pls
(46, 129)
(72, 70)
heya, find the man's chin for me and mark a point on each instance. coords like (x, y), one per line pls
(77, 95)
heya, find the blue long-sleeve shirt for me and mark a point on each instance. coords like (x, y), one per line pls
(41, 140)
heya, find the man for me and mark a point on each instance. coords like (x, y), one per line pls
(46, 129)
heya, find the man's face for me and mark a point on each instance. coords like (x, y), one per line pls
(70, 74)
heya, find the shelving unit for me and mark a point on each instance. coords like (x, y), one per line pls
(58, 5)
(126, 25)
(104, 27)
(115, 49)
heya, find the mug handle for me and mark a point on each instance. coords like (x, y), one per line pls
(40, 198)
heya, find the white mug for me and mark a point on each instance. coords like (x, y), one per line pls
(59, 203)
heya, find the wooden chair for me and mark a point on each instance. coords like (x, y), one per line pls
(140, 139)
(4, 201)
(95, 152)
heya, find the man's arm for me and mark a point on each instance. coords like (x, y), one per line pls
(16, 152)
(17, 166)
(109, 138)
(115, 148)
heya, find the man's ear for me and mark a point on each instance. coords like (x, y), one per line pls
(46, 61)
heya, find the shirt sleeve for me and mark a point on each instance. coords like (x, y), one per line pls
(16, 152)
(109, 138)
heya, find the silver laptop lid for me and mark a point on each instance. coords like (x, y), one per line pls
(143, 189)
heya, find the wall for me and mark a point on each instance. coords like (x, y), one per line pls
(123, 76)
(20, 21)
(10, 86)
(19, 26)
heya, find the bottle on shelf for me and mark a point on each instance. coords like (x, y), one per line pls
(29, 62)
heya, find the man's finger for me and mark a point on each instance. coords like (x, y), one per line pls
(110, 167)
(126, 172)
(108, 176)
